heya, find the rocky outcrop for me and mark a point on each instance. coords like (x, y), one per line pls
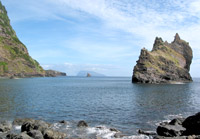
(88, 75)
(53, 73)
(181, 128)
(165, 63)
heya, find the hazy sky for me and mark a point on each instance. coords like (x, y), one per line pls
(102, 35)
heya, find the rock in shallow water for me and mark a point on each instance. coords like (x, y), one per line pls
(192, 124)
(171, 129)
(51, 134)
(166, 63)
(82, 124)
(34, 125)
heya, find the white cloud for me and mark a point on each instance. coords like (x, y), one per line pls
(72, 69)
(142, 19)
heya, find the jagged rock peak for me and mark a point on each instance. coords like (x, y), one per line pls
(177, 38)
(158, 42)
(166, 63)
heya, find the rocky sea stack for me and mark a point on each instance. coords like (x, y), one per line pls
(15, 60)
(165, 63)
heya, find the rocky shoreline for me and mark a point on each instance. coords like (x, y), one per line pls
(179, 128)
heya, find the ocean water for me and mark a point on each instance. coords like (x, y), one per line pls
(104, 101)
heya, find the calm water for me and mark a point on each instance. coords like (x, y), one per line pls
(113, 102)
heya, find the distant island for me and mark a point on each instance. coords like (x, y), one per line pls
(165, 63)
(89, 74)
(15, 60)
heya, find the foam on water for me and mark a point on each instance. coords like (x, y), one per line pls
(101, 131)
(17, 127)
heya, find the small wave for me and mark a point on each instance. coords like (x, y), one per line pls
(173, 116)
(102, 132)
(137, 137)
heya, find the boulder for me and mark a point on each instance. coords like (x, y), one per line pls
(52, 134)
(18, 136)
(192, 125)
(172, 129)
(34, 125)
(82, 124)
(63, 122)
(5, 126)
(148, 133)
(20, 121)
(36, 134)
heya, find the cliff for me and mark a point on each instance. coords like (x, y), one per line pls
(14, 57)
(15, 60)
(165, 63)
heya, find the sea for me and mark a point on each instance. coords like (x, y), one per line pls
(102, 102)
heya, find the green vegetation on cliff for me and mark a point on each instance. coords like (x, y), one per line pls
(167, 62)
(14, 57)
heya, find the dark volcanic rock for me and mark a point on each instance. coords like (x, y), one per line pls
(22, 135)
(168, 130)
(82, 124)
(167, 62)
(148, 133)
(51, 134)
(34, 125)
(53, 73)
(36, 134)
(192, 125)
(171, 129)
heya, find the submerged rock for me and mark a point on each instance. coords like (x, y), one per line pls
(166, 63)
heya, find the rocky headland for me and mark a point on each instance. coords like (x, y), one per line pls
(165, 63)
(53, 73)
(15, 60)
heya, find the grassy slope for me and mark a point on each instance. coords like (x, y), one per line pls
(14, 57)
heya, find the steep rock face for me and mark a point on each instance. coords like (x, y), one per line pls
(167, 62)
(14, 57)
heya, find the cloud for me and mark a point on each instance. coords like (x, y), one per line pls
(72, 69)
(143, 20)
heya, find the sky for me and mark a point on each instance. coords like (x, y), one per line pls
(104, 36)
